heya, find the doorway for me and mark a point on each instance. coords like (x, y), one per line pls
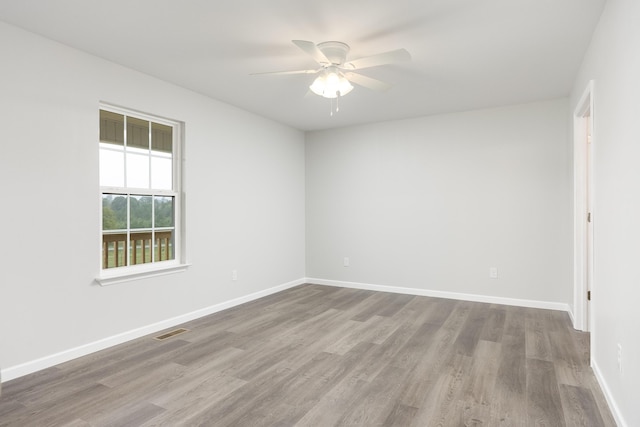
(583, 142)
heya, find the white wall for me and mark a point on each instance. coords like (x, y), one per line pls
(613, 62)
(244, 201)
(431, 203)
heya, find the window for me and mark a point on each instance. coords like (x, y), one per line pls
(139, 184)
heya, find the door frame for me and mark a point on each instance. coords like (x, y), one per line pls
(583, 204)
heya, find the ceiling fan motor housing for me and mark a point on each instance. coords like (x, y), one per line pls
(336, 52)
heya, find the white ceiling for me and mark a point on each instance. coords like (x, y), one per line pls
(467, 54)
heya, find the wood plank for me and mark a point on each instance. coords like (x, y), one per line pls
(78, 423)
(393, 304)
(375, 328)
(370, 306)
(494, 327)
(193, 398)
(130, 414)
(93, 373)
(438, 310)
(439, 407)
(10, 410)
(185, 388)
(544, 407)
(53, 412)
(377, 399)
(509, 400)
(514, 321)
(401, 415)
(470, 332)
(334, 405)
(301, 391)
(479, 384)
(580, 408)
(428, 369)
(537, 338)
(345, 298)
(569, 364)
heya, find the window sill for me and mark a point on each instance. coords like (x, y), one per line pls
(129, 274)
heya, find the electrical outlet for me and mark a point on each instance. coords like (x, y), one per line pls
(493, 272)
(346, 262)
(234, 275)
(619, 357)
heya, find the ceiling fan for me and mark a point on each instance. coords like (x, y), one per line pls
(336, 73)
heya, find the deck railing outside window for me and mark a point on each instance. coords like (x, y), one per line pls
(115, 250)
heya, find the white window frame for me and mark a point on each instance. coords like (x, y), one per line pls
(109, 276)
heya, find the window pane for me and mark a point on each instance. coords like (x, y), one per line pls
(111, 168)
(111, 127)
(114, 212)
(137, 170)
(163, 245)
(161, 173)
(113, 250)
(163, 210)
(140, 248)
(114, 217)
(137, 133)
(140, 211)
(138, 150)
(161, 138)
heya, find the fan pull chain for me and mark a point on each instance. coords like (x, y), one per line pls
(337, 104)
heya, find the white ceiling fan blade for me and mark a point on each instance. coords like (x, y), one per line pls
(311, 49)
(282, 73)
(390, 57)
(367, 82)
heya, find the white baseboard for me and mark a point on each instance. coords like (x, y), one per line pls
(615, 411)
(443, 294)
(83, 350)
(572, 317)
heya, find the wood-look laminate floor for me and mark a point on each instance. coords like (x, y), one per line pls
(325, 356)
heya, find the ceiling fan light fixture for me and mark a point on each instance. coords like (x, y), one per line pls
(331, 84)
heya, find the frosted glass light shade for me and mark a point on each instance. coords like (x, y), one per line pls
(329, 84)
